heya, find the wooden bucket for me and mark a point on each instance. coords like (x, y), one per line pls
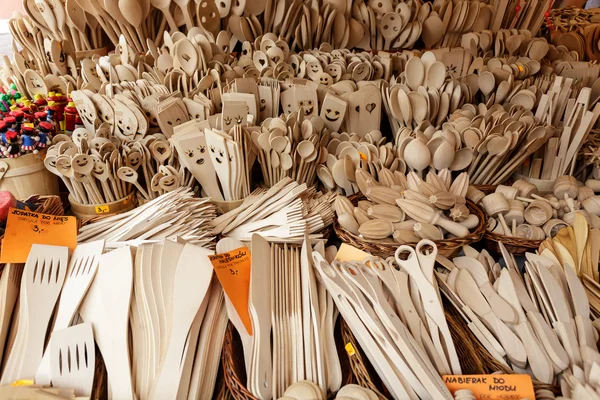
(26, 176)
(87, 211)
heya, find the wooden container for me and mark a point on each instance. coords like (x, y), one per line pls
(27, 176)
(515, 212)
(538, 213)
(525, 188)
(87, 211)
(566, 184)
(509, 192)
(495, 204)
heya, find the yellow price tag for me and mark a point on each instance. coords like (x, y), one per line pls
(102, 209)
(350, 349)
(22, 382)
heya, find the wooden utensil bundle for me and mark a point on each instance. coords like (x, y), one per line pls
(575, 117)
(297, 310)
(395, 337)
(160, 322)
(104, 169)
(290, 146)
(577, 246)
(340, 25)
(552, 312)
(42, 280)
(397, 196)
(281, 214)
(499, 147)
(174, 214)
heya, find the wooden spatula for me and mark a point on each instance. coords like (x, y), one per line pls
(190, 286)
(106, 307)
(260, 314)
(10, 282)
(43, 277)
(73, 358)
(81, 272)
(540, 363)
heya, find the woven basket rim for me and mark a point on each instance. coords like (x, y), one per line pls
(512, 240)
(390, 246)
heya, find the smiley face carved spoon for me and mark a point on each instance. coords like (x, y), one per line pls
(128, 174)
(83, 164)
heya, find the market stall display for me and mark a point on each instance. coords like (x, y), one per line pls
(210, 149)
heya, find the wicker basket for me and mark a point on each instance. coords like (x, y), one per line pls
(487, 189)
(235, 371)
(474, 358)
(514, 245)
(47, 204)
(387, 247)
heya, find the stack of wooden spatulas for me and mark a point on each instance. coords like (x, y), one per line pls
(407, 340)
(177, 322)
(286, 299)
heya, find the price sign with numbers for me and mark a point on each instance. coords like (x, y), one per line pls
(233, 270)
(24, 228)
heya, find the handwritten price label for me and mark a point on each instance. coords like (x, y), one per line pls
(233, 270)
(493, 387)
(103, 209)
(24, 228)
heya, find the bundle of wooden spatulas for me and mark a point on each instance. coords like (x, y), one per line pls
(284, 298)
(177, 327)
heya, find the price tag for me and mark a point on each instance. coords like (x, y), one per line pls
(350, 349)
(233, 270)
(25, 228)
(496, 387)
(349, 253)
(103, 209)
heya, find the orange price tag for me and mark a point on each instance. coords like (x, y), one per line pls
(233, 271)
(350, 253)
(24, 228)
(497, 386)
